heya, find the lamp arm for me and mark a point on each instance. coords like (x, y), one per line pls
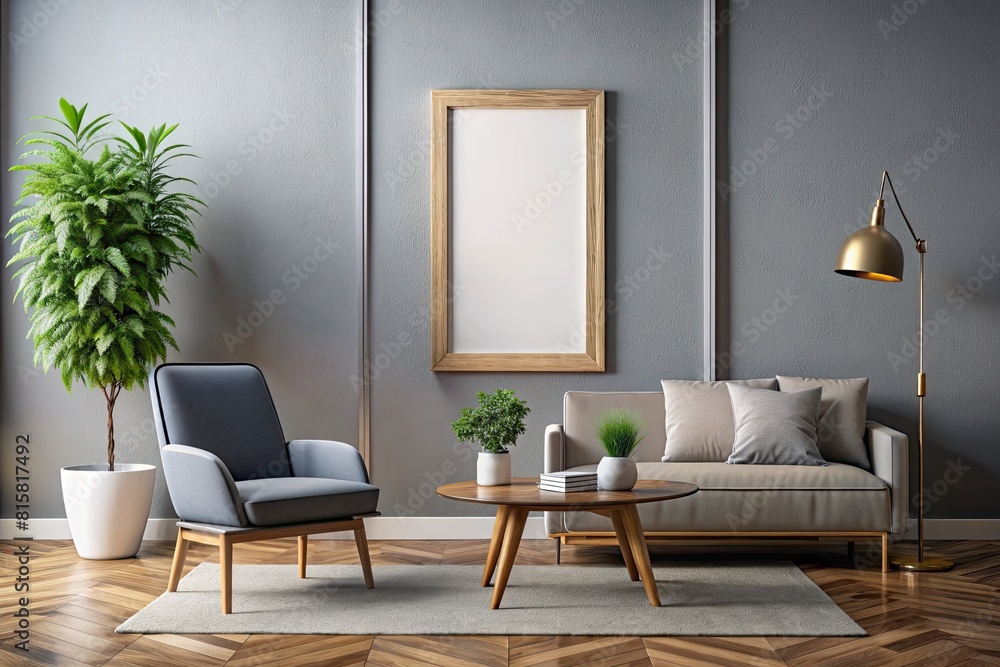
(921, 385)
(921, 243)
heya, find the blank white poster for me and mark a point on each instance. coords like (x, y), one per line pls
(517, 186)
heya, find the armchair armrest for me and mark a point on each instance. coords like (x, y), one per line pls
(201, 488)
(327, 459)
(555, 449)
(888, 452)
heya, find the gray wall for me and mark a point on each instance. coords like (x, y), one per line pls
(893, 95)
(653, 202)
(262, 89)
(225, 74)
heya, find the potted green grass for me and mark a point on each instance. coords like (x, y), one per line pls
(98, 237)
(620, 432)
(495, 425)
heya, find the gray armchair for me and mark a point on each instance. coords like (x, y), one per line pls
(233, 478)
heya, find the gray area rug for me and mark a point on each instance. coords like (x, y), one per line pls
(734, 599)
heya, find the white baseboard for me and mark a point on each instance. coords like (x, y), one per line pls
(58, 529)
(377, 528)
(463, 528)
(437, 528)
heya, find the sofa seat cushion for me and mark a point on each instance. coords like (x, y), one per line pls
(277, 501)
(754, 498)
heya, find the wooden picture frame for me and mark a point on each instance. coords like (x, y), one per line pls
(478, 176)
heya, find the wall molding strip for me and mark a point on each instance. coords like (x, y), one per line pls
(708, 187)
(362, 201)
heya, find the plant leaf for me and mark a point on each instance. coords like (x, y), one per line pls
(70, 112)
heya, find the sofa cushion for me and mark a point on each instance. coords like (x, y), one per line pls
(756, 498)
(774, 427)
(699, 419)
(842, 412)
(277, 501)
(581, 408)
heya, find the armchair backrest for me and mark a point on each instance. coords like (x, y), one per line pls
(225, 409)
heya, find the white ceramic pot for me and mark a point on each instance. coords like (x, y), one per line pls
(493, 469)
(106, 510)
(616, 474)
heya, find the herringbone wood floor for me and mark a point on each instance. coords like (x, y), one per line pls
(925, 619)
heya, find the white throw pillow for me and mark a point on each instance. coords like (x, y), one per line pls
(699, 419)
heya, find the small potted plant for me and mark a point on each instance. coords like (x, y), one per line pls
(97, 242)
(495, 425)
(620, 432)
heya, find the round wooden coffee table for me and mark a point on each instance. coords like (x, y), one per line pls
(523, 495)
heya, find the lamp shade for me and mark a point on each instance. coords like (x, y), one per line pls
(872, 253)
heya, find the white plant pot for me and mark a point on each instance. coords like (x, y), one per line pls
(616, 474)
(493, 469)
(106, 510)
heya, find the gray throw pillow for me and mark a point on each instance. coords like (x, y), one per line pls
(775, 428)
(699, 419)
(842, 413)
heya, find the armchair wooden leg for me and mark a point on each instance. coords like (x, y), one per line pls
(303, 550)
(180, 556)
(366, 562)
(226, 570)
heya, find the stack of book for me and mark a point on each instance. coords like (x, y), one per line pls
(568, 482)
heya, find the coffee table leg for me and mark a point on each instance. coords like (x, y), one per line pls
(641, 553)
(617, 518)
(499, 526)
(511, 541)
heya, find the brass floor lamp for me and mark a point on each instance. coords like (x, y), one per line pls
(875, 254)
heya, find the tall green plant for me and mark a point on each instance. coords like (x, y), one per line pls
(97, 244)
(495, 424)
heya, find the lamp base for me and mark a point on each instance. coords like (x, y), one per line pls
(913, 564)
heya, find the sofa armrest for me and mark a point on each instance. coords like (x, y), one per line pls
(555, 449)
(201, 488)
(888, 451)
(327, 459)
(554, 461)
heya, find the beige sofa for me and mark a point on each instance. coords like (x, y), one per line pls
(840, 502)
